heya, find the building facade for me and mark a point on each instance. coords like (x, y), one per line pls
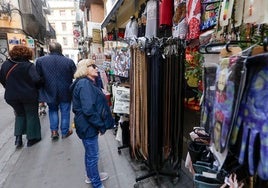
(63, 20)
(24, 22)
(93, 14)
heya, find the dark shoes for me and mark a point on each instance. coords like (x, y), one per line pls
(54, 135)
(70, 132)
(18, 141)
(33, 141)
(19, 144)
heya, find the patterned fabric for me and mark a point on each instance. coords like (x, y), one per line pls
(179, 22)
(210, 11)
(121, 62)
(227, 88)
(253, 117)
(57, 72)
(151, 19)
(193, 17)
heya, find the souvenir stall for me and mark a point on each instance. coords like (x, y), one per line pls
(154, 70)
(206, 56)
(117, 65)
(231, 136)
(157, 91)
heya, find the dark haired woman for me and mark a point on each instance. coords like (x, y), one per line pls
(21, 82)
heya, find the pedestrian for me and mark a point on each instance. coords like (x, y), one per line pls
(92, 116)
(21, 82)
(57, 72)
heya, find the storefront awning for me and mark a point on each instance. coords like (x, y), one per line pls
(107, 19)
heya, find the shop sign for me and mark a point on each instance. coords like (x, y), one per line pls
(14, 41)
(30, 43)
(121, 99)
(96, 35)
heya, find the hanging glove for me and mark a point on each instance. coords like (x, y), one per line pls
(253, 116)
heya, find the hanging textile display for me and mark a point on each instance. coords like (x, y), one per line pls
(252, 117)
(228, 81)
(120, 59)
(209, 14)
(131, 30)
(139, 104)
(179, 21)
(251, 13)
(121, 62)
(150, 13)
(173, 102)
(165, 12)
(226, 12)
(193, 17)
(156, 104)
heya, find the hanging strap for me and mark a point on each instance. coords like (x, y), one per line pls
(10, 70)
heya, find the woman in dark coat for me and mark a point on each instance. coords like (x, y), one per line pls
(21, 82)
(92, 117)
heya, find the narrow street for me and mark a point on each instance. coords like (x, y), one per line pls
(60, 164)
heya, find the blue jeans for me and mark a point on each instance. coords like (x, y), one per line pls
(91, 160)
(53, 111)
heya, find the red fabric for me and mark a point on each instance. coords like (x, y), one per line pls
(108, 98)
(165, 12)
(194, 30)
(194, 18)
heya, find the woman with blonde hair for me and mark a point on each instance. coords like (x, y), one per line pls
(92, 116)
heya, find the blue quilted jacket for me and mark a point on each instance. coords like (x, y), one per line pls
(57, 72)
(90, 106)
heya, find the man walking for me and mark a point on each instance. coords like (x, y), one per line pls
(57, 72)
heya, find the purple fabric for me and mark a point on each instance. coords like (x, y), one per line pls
(227, 86)
(253, 116)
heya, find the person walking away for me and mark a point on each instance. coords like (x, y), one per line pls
(92, 116)
(21, 82)
(57, 72)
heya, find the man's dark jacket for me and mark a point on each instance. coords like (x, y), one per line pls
(57, 72)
